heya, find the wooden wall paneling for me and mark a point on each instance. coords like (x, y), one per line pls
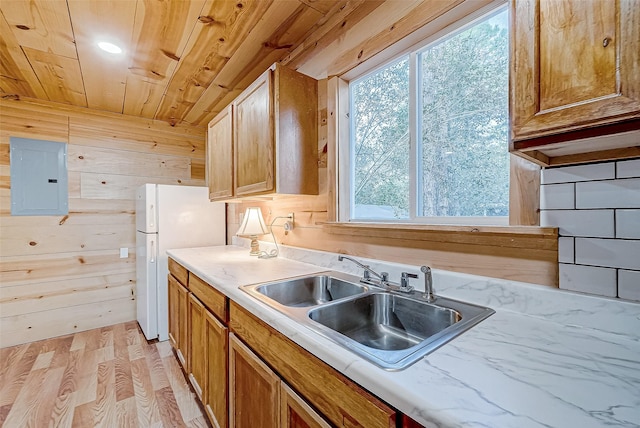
(16, 74)
(159, 27)
(18, 270)
(116, 186)
(54, 269)
(17, 122)
(60, 76)
(109, 161)
(43, 296)
(207, 50)
(56, 322)
(198, 169)
(104, 120)
(83, 132)
(524, 192)
(104, 74)
(66, 238)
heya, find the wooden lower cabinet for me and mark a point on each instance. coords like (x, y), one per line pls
(178, 318)
(215, 397)
(256, 377)
(198, 361)
(296, 413)
(254, 389)
(259, 398)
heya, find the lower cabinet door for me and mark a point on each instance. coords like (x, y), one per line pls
(296, 413)
(254, 389)
(217, 344)
(197, 364)
(178, 317)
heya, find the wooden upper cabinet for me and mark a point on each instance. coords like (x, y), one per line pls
(575, 77)
(275, 135)
(220, 155)
(254, 138)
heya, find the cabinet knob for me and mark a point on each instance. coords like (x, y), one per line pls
(606, 41)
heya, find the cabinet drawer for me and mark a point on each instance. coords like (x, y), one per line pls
(212, 298)
(179, 272)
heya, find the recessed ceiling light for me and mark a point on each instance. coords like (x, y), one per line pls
(109, 47)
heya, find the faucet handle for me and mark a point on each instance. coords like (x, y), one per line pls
(385, 276)
(404, 279)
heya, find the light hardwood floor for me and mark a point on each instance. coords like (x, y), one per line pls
(107, 377)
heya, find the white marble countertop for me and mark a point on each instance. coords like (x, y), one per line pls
(546, 358)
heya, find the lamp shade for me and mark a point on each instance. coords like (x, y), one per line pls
(252, 223)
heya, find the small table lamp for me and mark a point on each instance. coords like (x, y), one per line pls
(252, 226)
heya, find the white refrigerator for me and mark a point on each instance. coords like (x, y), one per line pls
(169, 217)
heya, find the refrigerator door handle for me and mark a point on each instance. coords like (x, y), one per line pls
(152, 257)
(152, 216)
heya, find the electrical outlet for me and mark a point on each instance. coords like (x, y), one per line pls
(124, 253)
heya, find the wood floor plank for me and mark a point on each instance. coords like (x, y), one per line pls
(199, 422)
(106, 377)
(83, 416)
(4, 412)
(63, 408)
(43, 360)
(18, 365)
(124, 382)
(35, 401)
(135, 352)
(64, 405)
(169, 411)
(148, 412)
(164, 349)
(126, 413)
(157, 373)
(105, 404)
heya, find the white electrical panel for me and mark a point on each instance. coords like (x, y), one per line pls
(39, 184)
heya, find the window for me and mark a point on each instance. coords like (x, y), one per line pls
(429, 131)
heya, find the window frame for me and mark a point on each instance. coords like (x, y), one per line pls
(345, 168)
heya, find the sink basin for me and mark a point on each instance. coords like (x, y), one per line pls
(309, 291)
(390, 329)
(385, 321)
(393, 330)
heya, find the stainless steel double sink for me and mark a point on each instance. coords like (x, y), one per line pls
(390, 329)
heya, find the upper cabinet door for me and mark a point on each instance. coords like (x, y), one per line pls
(253, 133)
(220, 155)
(575, 64)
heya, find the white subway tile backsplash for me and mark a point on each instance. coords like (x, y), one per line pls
(628, 224)
(629, 284)
(623, 193)
(616, 253)
(565, 250)
(600, 171)
(628, 168)
(594, 223)
(588, 279)
(557, 196)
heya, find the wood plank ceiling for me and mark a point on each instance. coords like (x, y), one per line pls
(182, 61)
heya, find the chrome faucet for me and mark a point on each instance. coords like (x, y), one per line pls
(428, 284)
(366, 276)
(382, 277)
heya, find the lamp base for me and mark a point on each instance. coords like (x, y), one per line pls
(255, 246)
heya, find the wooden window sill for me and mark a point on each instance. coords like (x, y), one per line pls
(524, 237)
